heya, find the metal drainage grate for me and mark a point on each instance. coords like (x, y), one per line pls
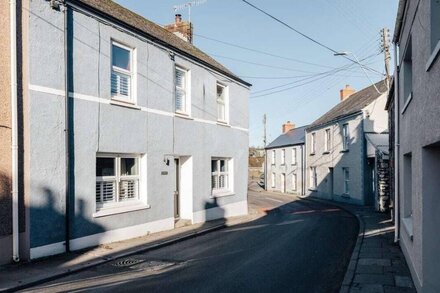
(127, 262)
(153, 265)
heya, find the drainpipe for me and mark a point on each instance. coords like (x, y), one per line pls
(396, 148)
(67, 130)
(14, 126)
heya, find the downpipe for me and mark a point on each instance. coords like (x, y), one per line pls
(396, 149)
(14, 128)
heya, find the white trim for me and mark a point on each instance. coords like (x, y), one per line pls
(433, 56)
(137, 206)
(225, 211)
(48, 250)
(94, 99)
(122, 234)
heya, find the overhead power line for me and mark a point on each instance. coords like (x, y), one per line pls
(302, 34)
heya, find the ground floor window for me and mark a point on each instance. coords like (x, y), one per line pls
(117, 179)
(221, 179)
(294, 187)
(273, 180)
(346, 173)
(313, 178)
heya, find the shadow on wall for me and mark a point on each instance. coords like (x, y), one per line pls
(214, 211)
(332, 183)
(48, 220)
(5, 205)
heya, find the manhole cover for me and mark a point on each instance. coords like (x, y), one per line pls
(126, 262)
(152, 265)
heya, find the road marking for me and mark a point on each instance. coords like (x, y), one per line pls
(276, 200)
(245, 228)
(289, 222)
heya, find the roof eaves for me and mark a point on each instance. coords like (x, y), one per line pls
(124, 24)
(399, 20)
(284, 145)
(341, 117)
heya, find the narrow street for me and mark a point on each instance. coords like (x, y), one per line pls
(296, 246)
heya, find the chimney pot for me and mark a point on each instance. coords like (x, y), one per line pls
(178, 18)
(287, 126)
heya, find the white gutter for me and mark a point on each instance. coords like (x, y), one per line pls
(396, 147)
(14, 145)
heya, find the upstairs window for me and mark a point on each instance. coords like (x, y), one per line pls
(294, 156)
(345, 137)
(327, 139)
(220, 175)
(283, 156)
(117, 180)
(122, 72)
(181, 95)
(407, 73)
(435, 24)
(312, 143)
(273, 157)
(222, 103)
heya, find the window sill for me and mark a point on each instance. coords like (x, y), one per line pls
(123, 103)
(313, 189)
(408, 101)
(344, 151)
(222, 194)
(293, 164)
(183, 116)
(223, 123)
(345, 195)
(326, 153)
(120, 210)
(312, 154)
(408, 225)
(433, 56)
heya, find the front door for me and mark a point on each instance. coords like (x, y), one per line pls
(176, 191)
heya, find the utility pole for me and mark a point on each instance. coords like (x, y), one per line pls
(264, 135)
(385, 33)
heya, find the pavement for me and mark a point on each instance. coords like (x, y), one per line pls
(377, 264)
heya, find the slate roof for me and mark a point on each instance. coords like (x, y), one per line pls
(355, 103)
(292, 137)
(137, 23)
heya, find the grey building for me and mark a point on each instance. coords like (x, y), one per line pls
(416, 106)
(285, 161)
(127, 129)
(347, 149)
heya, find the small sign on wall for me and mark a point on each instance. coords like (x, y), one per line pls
(164, 173)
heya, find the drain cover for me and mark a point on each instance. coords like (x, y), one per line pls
(152, 265)
(127, 262)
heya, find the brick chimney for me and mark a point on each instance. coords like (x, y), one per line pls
(182, 29)
(288, 126)
(346, 92)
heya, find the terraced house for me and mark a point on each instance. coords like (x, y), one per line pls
(347, 149)
(119, 128)
(285, 161)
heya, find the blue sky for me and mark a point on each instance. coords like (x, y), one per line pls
(344, 25)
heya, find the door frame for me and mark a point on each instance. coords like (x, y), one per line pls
(176, 200)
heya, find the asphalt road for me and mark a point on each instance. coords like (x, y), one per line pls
(297, 246)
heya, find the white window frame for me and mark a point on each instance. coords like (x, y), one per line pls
(274, 156)
(294, 182)
(327, 140)
(345, 136)
(313, 178)
(225, 104)
(228, 173)
(294, 154)
(283, 157)
(346, 174)
(131, 98)
(186, 109)
(118, 205)
(274, 179)
(312, 143)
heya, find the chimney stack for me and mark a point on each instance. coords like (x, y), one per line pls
(346, 92)
(182, 29)
(287, 126)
